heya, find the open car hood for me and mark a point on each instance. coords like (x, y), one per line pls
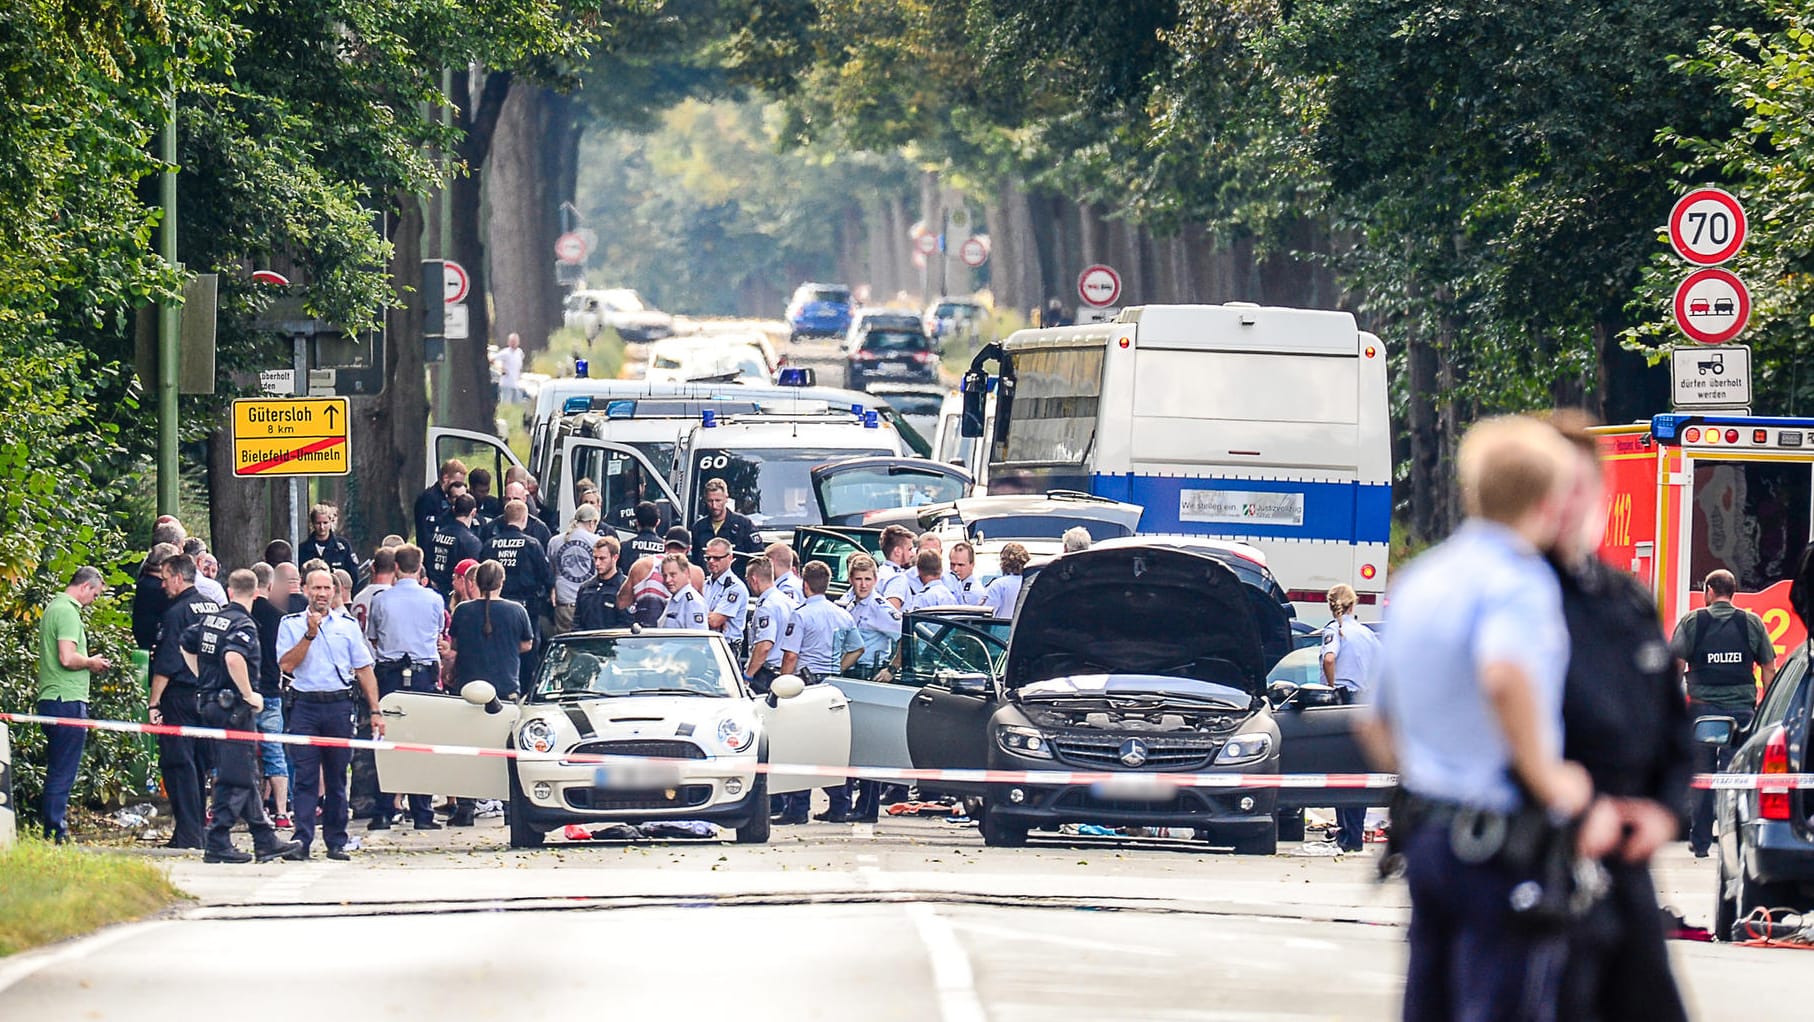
(1142, 611)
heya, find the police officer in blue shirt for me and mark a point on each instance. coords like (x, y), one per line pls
(825, 642)
(727, 599)
(922, 587)
(897, 555)
(1349, 657)
(686, 608)
(330, 667)
(406, 624)
(965, 583)
(1470, 712)
(781, 558)
(222, 650)
(878, 622)
(770, 620)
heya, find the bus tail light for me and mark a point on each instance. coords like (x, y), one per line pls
(1125, 341)
(1692, 434)
(1774, 805)
(1368, 572)
(1732, 436)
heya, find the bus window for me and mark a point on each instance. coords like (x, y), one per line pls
(1750, 518)
(1056, 393)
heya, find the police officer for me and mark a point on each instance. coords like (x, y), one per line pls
(720, 522)
(727, 599)
(962, 579)
(596, 605)
(451, 542)
(331, 670)
(528, 578)
(647, 542)
(406, 623)
(781, 558)
(532, 522)
(1624, 720)
(686, 607)
(1349, 657)
(323, 543)
(1002, 594)
(174, 700)
(770, 621)
(824, 643)
(222, 650)
(1469, 710)
(897, 554)
(924, 586)
(433, 503)
(1723, 647)
(878, 622)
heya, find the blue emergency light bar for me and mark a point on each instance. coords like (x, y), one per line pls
(578, 405)
(794, 377)
(708, 418)
(872, 420)
(581, 368)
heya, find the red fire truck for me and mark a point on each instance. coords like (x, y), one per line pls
(1692, 493)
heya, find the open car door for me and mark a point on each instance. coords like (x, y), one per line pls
(835, 547)
(850, 489)
(812, 728)
(948, 716)
(434, 718)
(624, 478)
(1319, 739)
(473, 449)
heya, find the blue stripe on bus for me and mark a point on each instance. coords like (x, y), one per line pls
(1336, 511)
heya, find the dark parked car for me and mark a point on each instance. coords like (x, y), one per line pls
(818, 310)
(1766, 838)
(891, 348)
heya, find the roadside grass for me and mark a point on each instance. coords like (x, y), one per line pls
(605, 353)
(49, 893)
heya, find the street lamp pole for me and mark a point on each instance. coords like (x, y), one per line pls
(169, 330)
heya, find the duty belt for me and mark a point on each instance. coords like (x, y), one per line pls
(335, 696)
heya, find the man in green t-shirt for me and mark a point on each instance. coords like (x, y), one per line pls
(64, 667)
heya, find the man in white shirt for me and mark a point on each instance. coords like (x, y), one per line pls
(509, 361)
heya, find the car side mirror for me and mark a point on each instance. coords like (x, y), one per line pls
(482, 693)
(1716, 731)
(975, 382)
(1317, 694)
(787, 686)
(968, 684)
(1280, 693)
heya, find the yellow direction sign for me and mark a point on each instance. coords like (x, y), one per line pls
(291, 436)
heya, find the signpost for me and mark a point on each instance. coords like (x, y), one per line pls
(1703, 378)
(925, 244)
(1099, 286)
(1712, 306)
(299, 436)
(455, 322)
(974, 251)
(1707, 227)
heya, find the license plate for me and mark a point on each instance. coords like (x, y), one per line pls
(891, 369)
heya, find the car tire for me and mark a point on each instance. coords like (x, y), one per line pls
(522, 835)
(1753, 895)
(1291, 825)
(756, 830)
(1725, 910)
(999, 833)
(1264, 843)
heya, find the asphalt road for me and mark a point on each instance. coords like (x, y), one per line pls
(909, 919)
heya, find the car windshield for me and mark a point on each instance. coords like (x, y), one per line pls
(773, 487)
(625, 301)
(895, 341)
(1002, 527)
(682, 665)
(836, 295)
(854, 491)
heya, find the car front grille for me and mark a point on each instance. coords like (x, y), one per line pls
(1162, 753)
(684, 797)
(652, 748)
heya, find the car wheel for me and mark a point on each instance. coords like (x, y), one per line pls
(793, 338)
(1752, 896)
(1725, 909)
(1264, 843)
(521, 834)
(756, 831)
(1291, 825)
(999, 833)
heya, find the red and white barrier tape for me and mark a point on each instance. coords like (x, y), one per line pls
(1764, 782)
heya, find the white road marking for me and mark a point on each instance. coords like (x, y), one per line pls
(952, 978)
(30, 962)
(867, 859)
(1081, 943)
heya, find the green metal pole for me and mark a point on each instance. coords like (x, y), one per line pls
(444, 372)
(169, 332)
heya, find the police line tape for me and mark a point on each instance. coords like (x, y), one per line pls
(1719, 782)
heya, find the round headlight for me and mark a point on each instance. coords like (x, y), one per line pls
(537, 736)
(735, 736)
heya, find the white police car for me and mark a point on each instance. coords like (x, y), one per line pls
(676, 697)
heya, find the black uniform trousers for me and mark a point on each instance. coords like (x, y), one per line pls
(1469, 962)
(1709, 760)
(396, 676)
(316, 765)
(236, 782)
(1618, 961)
(181, 764)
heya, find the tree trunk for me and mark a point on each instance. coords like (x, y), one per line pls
(243, 514)
(530, 172)
(467, 372)
(389, 431)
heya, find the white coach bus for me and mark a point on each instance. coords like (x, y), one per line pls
(1264, 425)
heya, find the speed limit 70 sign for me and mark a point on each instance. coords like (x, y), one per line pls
(1707, 227)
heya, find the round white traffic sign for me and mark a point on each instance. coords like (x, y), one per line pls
(974, 252)
(1707, 227)
(1099, 286)
(570, 248)
(1712, 306)
(454, 282)
(925, 244)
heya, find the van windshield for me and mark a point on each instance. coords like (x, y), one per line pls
(773, 487)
